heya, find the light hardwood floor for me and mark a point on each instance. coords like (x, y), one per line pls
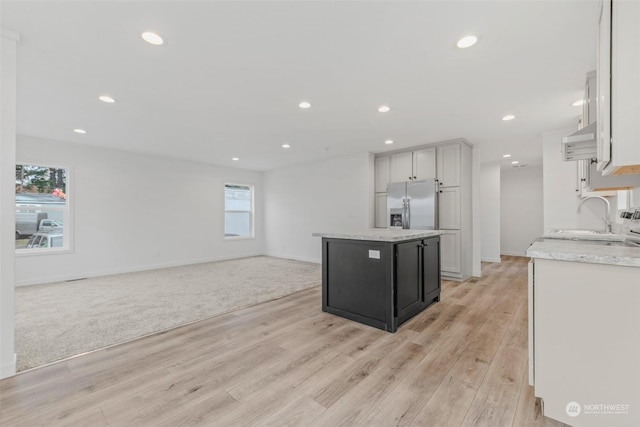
(461, 362)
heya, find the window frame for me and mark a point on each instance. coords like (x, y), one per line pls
(252, 233)
(68, 226)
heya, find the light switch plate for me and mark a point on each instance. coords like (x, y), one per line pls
(374, 254)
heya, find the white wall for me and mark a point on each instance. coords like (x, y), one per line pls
(325, 196)
(133, 212)
(635, 198)
(521, 209)
(8, 61)
(490, 211)
(559, 189)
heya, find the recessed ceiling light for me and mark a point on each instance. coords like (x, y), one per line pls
(304, 104)
(388, 142)
(508, 117)
(107, 99)
(506, 155)
(286, 146)
(467, 41)
(152, 38)
(80, 131)
(384, 108)
(235, 159)
(579, 103)
(515, 162)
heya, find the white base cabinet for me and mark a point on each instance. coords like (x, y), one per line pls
(586, 342)
(450, 264)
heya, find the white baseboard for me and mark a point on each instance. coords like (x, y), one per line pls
(497, 260)
(295, 258)
(523, 253)
(477, 274)
(110, 272)
(8, 369)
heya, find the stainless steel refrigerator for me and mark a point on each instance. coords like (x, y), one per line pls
(413, 204)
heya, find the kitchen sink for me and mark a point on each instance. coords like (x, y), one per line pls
(575, 234)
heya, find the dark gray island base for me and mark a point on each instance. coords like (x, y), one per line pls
(381, 282)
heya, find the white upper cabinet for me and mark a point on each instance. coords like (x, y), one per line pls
(603, 90)
(381, 174)
(401, 167)
(413, 165)
(619, 88)
(424, 164)
(448, 160)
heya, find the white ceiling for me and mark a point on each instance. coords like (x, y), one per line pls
(231, 74)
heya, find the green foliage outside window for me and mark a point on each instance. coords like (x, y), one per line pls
(39, 179)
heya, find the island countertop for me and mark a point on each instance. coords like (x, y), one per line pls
(381, 234)
(593, 252)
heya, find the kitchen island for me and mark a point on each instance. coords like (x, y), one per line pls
(380, 277)
(584, 344)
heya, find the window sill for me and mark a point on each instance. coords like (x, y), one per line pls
(234, 238)
(30, 252)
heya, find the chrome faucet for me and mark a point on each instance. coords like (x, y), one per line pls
(607, 222)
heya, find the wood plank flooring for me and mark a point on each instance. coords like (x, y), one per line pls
(461, 362)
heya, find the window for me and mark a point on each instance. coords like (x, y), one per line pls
(238, 211)
(42, 209)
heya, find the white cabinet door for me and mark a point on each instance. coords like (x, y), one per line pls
(424, 163)
(381, 174)
(625, 89)
(449, 208)
(585, 350)
(381, 210)
(450, 251)
(448, 169)
(530, 315)
(603, 104)
(401, 167)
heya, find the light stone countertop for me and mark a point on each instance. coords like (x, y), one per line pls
(381, 234)
(592, 252)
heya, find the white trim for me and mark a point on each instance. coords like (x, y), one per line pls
(234, 238)
(509, 253)
(10, 34)
(497, 260)
(477, 274)
(9, 369)
(24, 252)
(295, 258)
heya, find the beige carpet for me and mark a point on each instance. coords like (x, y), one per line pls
(58, 320)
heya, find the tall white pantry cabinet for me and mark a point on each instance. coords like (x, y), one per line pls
(450, 163)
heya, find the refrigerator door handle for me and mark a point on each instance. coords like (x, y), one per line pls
(406, 218)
